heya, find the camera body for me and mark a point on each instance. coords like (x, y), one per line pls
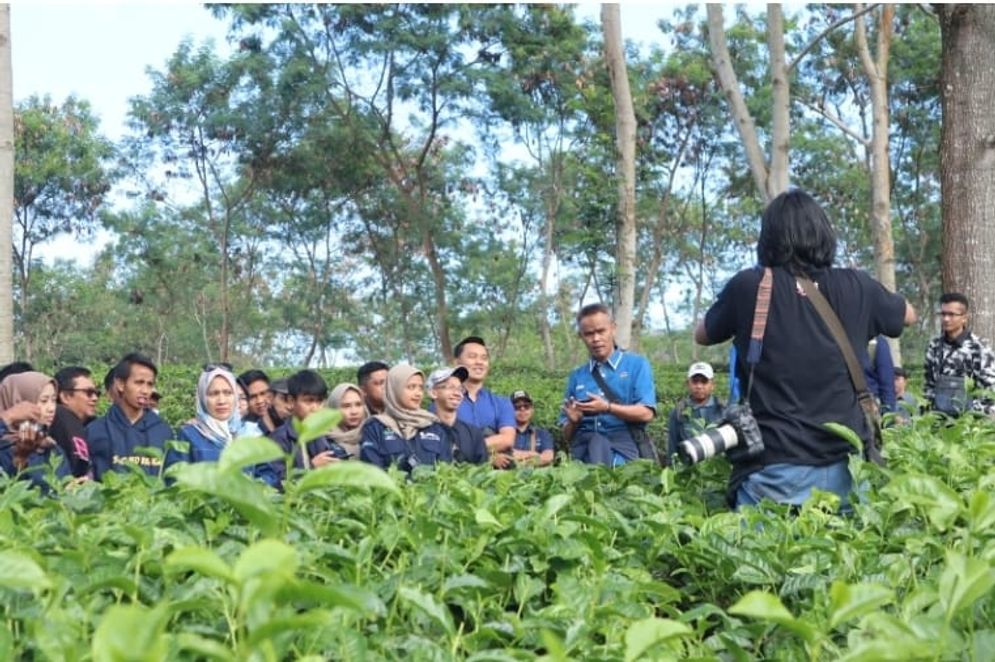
(737, 435)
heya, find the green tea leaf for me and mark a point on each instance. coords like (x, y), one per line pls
(200, 560)
(245, 495)
(963, 581)
(554, 504)
(428, 605)
(767, 607)
(20, 571)
(266, 556)
(645, 634)
(850, 601)
(332, 595)
(317, 424)
(981, 511)
(131, 633)
(248, 451)
(483, 517)
(348, 474)
(203, 648)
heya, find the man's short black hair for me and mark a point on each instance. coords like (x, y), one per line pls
(251, 377)
(795, 233)
(955, 297)
(66, 378)
(109, 380)
(123, 368)
(469, 340)
(307, 382)
(15, 368)
(900, 372)
(593, 309)
(367, 369)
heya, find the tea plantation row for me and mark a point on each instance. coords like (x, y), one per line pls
(566, 563)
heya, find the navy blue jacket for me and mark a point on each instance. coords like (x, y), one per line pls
(113, 440)
(204, 449)
(383, 447)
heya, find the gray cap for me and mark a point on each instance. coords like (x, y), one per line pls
(442, 374)
(279, 386)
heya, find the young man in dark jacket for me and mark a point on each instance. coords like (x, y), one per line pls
(128, 425)
(78, 397)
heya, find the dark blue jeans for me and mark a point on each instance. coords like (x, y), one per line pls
(610, 449)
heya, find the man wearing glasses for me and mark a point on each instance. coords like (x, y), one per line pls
(955, 356)
(78, 397)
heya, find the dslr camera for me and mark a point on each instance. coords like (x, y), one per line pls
(737, 435)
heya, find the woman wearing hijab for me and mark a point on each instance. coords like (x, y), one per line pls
(348, 399)
(405, 434)
(28, 445)
(217, 422)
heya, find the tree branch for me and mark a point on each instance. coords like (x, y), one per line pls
(836, 121)
(819, 37)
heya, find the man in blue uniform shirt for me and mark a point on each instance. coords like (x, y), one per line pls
(482, 407)
(598, 429)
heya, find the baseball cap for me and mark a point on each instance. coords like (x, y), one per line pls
(701, 368)
(280, 386)
(442, 374)
(520, 395)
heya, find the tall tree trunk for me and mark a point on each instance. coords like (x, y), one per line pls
(441, 307)
(876, 69)
(6, 189)
(967, 157)
(773, 181)
(777, 177)
(625, 144)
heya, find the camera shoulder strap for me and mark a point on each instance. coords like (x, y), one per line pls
(864, 397)
(761, 311)
(605, 388)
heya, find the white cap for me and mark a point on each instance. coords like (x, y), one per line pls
(442, 374)
(701, 368)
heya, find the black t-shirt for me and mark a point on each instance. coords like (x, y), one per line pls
(802, 380)
(70, 433)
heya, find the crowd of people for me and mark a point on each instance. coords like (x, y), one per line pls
(793, 320)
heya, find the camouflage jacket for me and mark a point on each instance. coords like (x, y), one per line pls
(965, 356)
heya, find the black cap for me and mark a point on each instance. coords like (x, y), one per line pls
(521, 395)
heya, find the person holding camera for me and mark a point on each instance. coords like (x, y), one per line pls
(608, 400)
(698, 410)
(27, 408)
(956, 355)
(796, 379)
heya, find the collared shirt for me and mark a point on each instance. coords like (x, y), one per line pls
(629, 375)
(523, 439)
(488, 412)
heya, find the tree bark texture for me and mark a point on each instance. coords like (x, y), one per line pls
(625, 144)
(778, 175)
(967, 157)
(876, 70)
(722, 63)
(6, 189)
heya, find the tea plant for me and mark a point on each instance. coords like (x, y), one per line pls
(572, 562)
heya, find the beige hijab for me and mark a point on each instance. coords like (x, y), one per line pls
(348, 439)
(22, 386)
(405, 422)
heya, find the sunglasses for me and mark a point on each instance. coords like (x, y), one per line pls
(90, 392)
(523, 406)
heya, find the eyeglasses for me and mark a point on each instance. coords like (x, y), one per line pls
(90, 392)
(947, 313)
(523, 406)
(208, 367)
